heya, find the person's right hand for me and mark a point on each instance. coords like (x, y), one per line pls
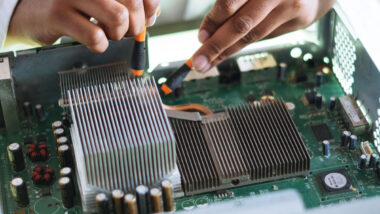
(44, 21)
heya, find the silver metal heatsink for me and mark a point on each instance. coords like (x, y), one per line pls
(121, 134)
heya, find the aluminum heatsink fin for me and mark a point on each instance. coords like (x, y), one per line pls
(273, 145)
(224, 148)
(244, 145)
(193, 157)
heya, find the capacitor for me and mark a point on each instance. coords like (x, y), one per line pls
(102, 203)
(319, 79)
(345, 138)
(372, 161)
(167, 194)
(19, 192)
(66, 172)
(353, 141)
(142, 196)
(62, 141)
(67, 191)
(326, 148)
(282, 67)
(40, 113)
(318, 100)
(130, 205)
(332, 103)
(57, 124)
(16, 157)
(60, 132)
(117, 201)
(65, 156)
(362, 161)
(28, 109)
(65, 119)
(156, 200)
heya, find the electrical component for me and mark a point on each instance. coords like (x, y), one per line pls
(322, 132)
(102, 203)
(130, 204)
(326, 148)
(60, 132)
(362, 162)
(65, 156)
(57, 124)
(142, 196)
(62, 141)
(345, 139)
(318, 100)
(282, 71)
(37, 152)
(42, 175)
(28, 109)
(353, 142)
(366, 149)
(335, 182)
(332, 103)
(117, 201)
(46, 191)
(167, 194)
(231, 135)
(15, 156)
(66, 172)
(156, 200)
(19, 191)
(66, 186)
(310, 96)
(373, 161)
(40, 112)
(319, 79)
(353, 116)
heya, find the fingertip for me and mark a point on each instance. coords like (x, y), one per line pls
(200, 62)
(203, 36)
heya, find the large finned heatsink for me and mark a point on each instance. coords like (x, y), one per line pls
(243, 145)
(121, 135)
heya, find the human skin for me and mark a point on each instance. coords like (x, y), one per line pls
(233, 24)
(45, 21)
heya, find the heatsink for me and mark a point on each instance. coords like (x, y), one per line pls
(121, 135)
(243, 145)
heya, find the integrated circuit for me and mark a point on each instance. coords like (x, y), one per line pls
(322, 132)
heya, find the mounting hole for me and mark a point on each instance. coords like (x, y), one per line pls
(235, 182)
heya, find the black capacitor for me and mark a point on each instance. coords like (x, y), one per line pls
(332, 103)
(67, 191)
(353, 141)
(57, 124)
(318, 79)
(16, 158)
(66, 172)
(372, 161)
(28, 109)
(60, 132)
(117, 201)
(62, 141)
(362, 161)
(318, 100)
(40, 113)
(102, 203)
(282, 67)
(326, 148)
(142, 196)
(65, 156)
(345, 139)
(19, 192)
(65, 119)
(167, 195)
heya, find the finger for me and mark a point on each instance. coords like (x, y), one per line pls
(273, 21)
(232, 31)
(81, 29)
(220, 12)
(151, 7)
(287, 27)
(136, 16)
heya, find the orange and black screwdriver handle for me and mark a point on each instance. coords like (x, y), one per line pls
(176, 78)
(138, 56)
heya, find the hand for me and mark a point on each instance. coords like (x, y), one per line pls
(233, 24)
(44, 21)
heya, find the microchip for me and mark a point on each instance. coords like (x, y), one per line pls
(335, 182)
(41, 137)
(28, 140)
(268, 92)
(45, 191)
(322, 132)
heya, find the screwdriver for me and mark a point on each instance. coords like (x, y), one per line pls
(138, 56)
(176, 78)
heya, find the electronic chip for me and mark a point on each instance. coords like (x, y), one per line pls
(335, 182)
(45, 191)
(41, 137)
(322, 132)
(28, 140)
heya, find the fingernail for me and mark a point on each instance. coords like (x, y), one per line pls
(203, 36)
(200, 62)
(205, 69)
(152, 20)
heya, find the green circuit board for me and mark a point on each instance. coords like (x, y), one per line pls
(216, 96)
